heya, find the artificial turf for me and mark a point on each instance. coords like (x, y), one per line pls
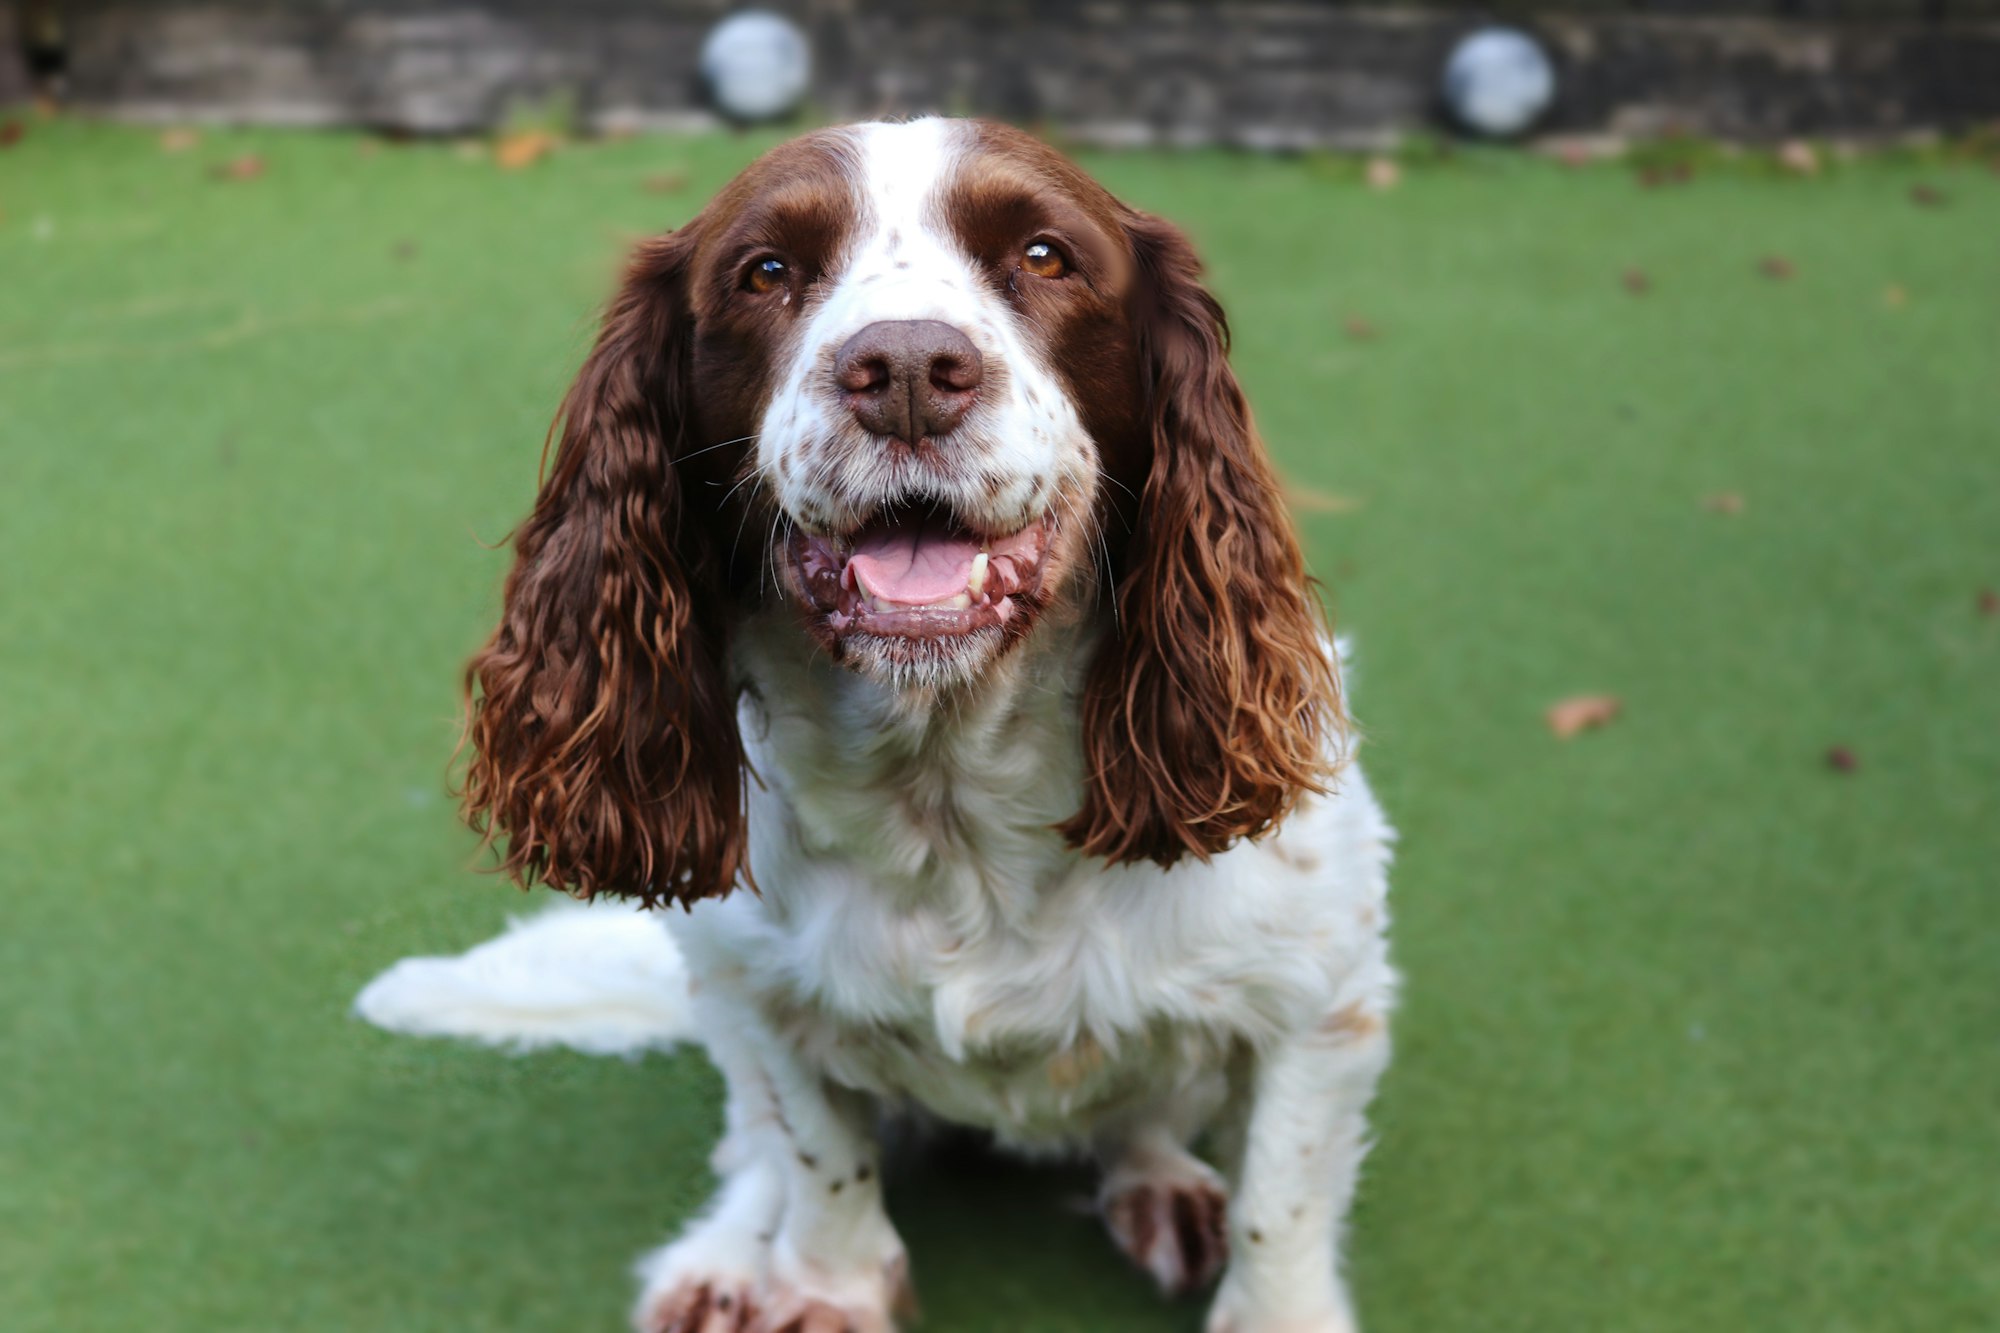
(1700, 1032)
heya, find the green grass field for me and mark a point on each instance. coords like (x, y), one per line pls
(1700, 1032)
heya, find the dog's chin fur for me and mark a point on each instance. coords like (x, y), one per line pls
(927, 665)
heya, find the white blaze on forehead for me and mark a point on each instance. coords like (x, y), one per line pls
(904, 261)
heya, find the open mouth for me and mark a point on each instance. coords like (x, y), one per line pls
(917, 571)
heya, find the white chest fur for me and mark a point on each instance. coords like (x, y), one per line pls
(924, 934)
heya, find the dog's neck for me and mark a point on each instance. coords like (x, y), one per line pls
(951, 793)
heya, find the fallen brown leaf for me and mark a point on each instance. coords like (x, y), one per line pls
(1636, 281)
(1723, 502)
(1358, 328)
(179, 140)
(1383, 174)
(1989, 602)
(405, 250)
(524, 149)
(1842, 760)
(1581, 713)
(666, 182)
(1895, 296)
(1799, 157)
(1777, 268)
(11, 133)
(245, 168)
(1927, 196)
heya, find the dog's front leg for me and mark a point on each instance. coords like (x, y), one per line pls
(1302, 1150)
(836, 1263)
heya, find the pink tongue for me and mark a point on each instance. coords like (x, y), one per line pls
(913, 562)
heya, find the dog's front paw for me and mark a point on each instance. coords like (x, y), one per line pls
(806, 1297)
(1171, 1218)
(698, 1306)
(701, 1284)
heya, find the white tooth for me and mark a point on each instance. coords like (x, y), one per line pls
(956, 602)
(975, 582)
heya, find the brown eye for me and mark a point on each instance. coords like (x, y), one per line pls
(766, 275)
(1043, 260)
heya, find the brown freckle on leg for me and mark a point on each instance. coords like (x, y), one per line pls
(863, 1174)
(808, 1161)
(836, 1187)
(1256, 1236)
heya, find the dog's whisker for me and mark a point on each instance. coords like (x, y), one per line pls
(709, 449)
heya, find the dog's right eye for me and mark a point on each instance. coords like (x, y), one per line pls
(1043, 259)
(768, 274)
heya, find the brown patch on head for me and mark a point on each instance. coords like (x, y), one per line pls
(599, 717)
(1013, 189)
(796, 204)
(1213, 704)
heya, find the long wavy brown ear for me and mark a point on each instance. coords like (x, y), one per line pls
(1214, 704)
(602, 729)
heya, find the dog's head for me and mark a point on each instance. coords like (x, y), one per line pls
(927, 383)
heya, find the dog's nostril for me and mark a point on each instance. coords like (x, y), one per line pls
(952, 373)
(863, 375)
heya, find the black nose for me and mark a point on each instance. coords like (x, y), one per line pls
(908, 378)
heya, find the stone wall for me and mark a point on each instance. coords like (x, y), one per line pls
(1246, 72)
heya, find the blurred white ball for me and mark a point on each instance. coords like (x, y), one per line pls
(757, 65)
(1498, 82)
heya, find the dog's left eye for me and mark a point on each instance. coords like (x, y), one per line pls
(1044, 260)
(766, 275)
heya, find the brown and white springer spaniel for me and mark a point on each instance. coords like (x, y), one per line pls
(910, 599)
